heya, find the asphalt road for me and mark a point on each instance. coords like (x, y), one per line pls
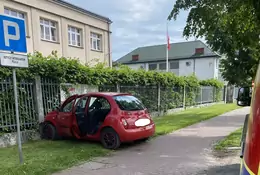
(184, 152)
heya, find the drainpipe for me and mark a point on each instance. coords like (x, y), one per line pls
(194, 66)
(109, 47)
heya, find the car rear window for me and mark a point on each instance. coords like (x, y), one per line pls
(129, 103)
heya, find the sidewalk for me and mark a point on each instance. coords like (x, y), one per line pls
(183, 152)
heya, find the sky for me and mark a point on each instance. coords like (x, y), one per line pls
(137, 23)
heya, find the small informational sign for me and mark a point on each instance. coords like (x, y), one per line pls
(13, 60)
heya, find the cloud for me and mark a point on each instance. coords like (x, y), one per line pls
(137, 23)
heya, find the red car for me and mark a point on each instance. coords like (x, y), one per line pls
(112, 118)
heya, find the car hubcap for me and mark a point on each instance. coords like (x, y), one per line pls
(109, 139)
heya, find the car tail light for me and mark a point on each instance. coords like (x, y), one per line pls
(124, 122)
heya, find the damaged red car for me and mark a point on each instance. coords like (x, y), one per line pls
(112, 118)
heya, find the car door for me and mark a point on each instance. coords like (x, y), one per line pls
(65, 116)
(79, 124)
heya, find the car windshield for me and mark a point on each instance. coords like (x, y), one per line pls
(129, 103)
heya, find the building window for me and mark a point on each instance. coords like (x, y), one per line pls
(152, 66)
(75, 35)
(174, 65)
(95, 40)
(49, 30)
(17, 14)
(162, 66)
(199, 51)
(135, 57)
(14, 13)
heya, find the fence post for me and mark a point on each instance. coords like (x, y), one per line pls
(38, 99)
(159, 96)
(225, 97)
(201, 92)
(214, 94)
(118, 88)
(184, 97)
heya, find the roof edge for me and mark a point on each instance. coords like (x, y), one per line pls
(82, 10)
(170, 59)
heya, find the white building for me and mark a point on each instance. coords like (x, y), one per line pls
(185, 58)
(55, 25)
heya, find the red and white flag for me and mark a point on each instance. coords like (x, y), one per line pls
(168, 38)
(168, 41)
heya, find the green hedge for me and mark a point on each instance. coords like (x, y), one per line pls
(65, 70)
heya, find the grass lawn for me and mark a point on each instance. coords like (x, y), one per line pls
(46, 157)
(182, 119)
(233, 140)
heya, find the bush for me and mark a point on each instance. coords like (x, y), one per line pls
(65, 70)
(143, 84)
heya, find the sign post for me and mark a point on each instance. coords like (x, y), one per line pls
(17, 118)
(13, 39)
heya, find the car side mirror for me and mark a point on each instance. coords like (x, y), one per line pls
(244, 96)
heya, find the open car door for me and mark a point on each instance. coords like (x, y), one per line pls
(79, 122)
(65, 116)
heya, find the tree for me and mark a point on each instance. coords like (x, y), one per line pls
(231, 28)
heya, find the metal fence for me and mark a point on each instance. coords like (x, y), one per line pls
(27, 109)
(51, 94)
(161, 98)
(40, 96)
(148, 95)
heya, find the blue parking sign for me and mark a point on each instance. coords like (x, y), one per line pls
(12, 34)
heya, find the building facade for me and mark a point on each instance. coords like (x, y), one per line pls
(55, 25)
(185, 58)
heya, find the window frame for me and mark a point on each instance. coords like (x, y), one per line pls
(90, 103)
(18, 12)
(50, 27)
(72, 105)
(95, 37)
(79, 99)
(78, 32)
(138, 103)
(164, 65)
(152, 64)
(174, 62)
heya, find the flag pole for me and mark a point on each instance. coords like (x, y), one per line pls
(167, 48)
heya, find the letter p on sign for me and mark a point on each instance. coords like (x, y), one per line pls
(8, 36)
(12, 34)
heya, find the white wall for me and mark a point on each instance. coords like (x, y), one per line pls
(185, 70)
(204, 68)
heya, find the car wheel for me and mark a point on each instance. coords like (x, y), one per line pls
(110, 139)
(49, 132)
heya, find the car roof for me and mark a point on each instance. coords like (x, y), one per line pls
(111, 94)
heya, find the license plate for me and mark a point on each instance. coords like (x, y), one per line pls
(149, 127)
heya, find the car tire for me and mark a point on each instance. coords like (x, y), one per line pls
(243, 136)
(48, 132)
(110, 139)
(145, 139)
